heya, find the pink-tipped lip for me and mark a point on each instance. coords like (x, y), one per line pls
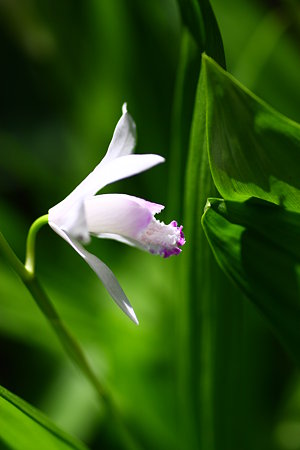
(181, 241)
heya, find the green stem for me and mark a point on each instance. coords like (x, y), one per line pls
(30, 244)
(76, 354)
(69, 343)
(12, 259)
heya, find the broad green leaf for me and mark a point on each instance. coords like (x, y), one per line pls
(254, 151)
(257, 244)
(23, 427)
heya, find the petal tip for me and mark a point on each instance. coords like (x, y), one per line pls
(131, 314)
(124, 108)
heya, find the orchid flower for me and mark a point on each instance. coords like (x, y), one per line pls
(120, 217)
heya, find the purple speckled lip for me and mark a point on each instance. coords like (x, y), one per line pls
(169, 252)
(181, 241)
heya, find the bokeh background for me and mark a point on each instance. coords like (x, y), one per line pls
(66, 69)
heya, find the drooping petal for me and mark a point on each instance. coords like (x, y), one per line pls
(114, 170)
(103, 272)
(124, 137)
(119, 214)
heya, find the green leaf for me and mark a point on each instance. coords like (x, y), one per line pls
(254, 151)
(210, 403)
(23, 427)
(257, 244)
(199, 18)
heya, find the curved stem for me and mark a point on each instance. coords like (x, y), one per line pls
(69, 343)
(30, 244)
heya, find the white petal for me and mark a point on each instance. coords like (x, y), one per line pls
(154, 208)
(119, 168)
(103, 272)
(124, 138)
(102, 175)
(117, 214)
(73, 221)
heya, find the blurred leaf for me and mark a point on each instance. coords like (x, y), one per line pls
(199, 18)
(254, 151)
(34, 430)
(28, 29)
(208, 386)
(182, 113)
(262, 43)
(193, 369)
(202, 34)
(257, 244)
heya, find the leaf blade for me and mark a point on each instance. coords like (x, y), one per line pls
(262, 259)
(33, 428)
(254, 151)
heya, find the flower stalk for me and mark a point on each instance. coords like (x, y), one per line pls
(45, 305)
(30, 244)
